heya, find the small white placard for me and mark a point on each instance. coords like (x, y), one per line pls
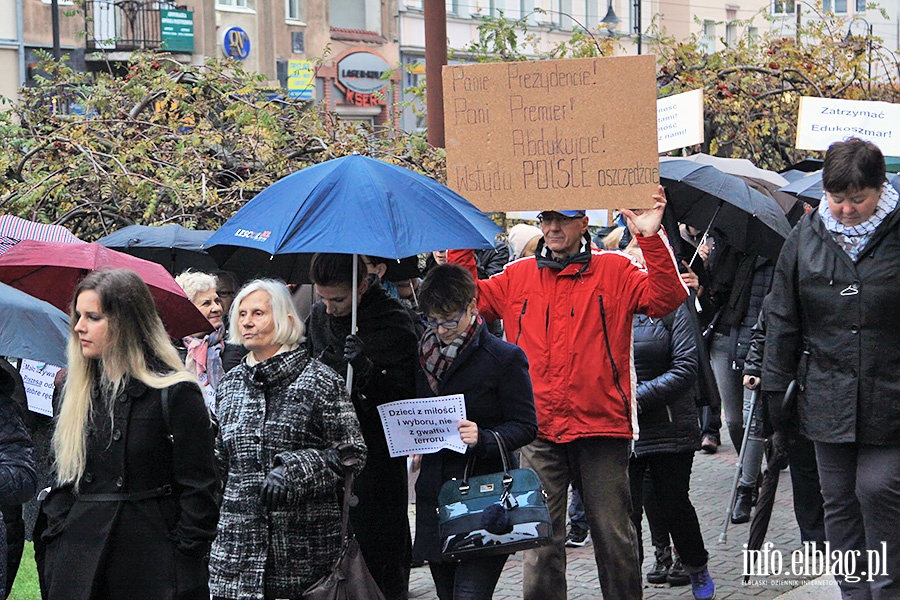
(823, 121)
(679, 120)
(423, 425)
(38, 378)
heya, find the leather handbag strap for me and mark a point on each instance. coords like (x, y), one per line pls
(507, 478)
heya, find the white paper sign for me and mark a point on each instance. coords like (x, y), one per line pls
(423, 425)
(38, 378)
(679, 120)
(823, 121)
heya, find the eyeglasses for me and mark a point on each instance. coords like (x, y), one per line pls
(448, 325)
(556, 218)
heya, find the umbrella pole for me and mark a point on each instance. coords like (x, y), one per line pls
(706, 233)
(353, 321)
(723, 537)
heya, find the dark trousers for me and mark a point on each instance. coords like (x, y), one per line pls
(602, 468)
(659, 528)
(671, 475)
(861, 489)
(808, 503)
(473, 579)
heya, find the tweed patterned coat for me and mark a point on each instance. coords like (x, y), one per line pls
(288, 410)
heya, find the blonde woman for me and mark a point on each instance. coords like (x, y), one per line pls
(133, 510)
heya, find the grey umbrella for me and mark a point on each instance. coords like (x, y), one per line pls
(175, 247)
(31, 328)
(810, 190)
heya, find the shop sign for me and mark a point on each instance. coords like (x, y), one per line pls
(300, 79)
(177, 29)
(236, 43)
(361, 76)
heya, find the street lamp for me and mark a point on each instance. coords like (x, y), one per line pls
(849, 37)
(610, 20)
(637, 24)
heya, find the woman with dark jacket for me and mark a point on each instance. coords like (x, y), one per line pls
(18, 480)
(382, 353)
(458, 355)
(133, 509)
(831, 324)
(665, 363)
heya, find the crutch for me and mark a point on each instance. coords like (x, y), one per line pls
(723, 537)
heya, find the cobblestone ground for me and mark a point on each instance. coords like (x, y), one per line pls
(710, 486)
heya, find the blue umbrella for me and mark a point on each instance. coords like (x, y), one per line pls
(354, 205)
(31, 328)
(175, 247)
(351, 205)
(810, 190)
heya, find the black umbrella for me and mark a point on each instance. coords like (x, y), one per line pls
(175, 247)
(809, 188)
(708, 199)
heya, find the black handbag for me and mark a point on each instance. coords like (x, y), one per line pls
(499, 513)
(350, 578)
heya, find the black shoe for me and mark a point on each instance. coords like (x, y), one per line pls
(677, 574)
(660, 571)
(742, 506)
(578, 537)
(709, 444)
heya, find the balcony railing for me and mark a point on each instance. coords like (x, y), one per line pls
(124, 25)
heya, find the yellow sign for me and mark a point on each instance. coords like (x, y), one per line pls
(300, 79)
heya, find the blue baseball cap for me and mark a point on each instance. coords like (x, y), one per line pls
(566, 213)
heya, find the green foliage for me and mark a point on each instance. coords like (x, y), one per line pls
(162, 142)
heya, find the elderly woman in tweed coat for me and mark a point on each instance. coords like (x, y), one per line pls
(286, 428)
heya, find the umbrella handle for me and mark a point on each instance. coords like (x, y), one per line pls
(706, 233)
(353, 322)
(723, 537)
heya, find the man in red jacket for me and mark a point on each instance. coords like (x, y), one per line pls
(571, 310)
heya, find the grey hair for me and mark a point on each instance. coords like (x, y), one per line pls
(282, 307)
(196, 282)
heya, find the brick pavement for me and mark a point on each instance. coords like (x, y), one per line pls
(712, 476)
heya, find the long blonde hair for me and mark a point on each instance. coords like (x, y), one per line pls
(137, 347)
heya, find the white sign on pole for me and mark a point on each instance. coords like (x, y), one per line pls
(679, 120)
(38, 378)
(823, 121)
(423, 425)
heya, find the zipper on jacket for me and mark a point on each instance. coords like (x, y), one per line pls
(612, 361)
(521, 314)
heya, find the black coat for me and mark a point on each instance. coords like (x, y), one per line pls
(493, 376)
(386, 329)
(832, 324)
(158, 544)
(18, 479)
(665, 362)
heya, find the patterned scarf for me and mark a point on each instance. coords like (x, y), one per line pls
(204, 357)
(436, 357)
(854, 239)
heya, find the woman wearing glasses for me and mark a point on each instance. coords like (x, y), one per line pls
(458, 355)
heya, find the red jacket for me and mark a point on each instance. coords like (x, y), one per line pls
(558, 317)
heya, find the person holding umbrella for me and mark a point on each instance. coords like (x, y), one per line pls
(133, 510)
(382, 353)
(571, 310)
(832, 315)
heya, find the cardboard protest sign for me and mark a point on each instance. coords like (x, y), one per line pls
(38, 379)
(679, 120)
(823, 121)
(563, 134)
(423, 425)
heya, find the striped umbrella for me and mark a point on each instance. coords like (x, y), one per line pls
(13, 230)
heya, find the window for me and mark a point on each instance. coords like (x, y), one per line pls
(347, 14)
(860, 6)
(784, 7)
(731, 33)
(235, 3)
(753, 33)
(293, 10)
(708, 40)
(836, 6)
